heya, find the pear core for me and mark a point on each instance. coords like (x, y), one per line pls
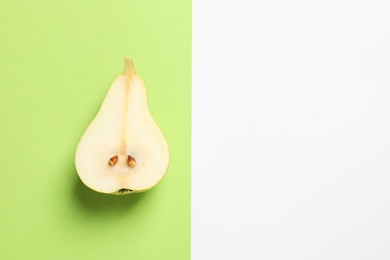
(123, 150)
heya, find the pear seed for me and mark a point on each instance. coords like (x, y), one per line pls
(131, 161)
(113, 160)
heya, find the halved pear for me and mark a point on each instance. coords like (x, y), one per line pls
(123, 150)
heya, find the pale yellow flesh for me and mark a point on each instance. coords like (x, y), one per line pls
(123, 126)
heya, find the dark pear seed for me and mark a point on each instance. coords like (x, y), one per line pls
(131, 161)
(113, 160)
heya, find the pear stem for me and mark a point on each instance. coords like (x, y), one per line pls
(128, 71)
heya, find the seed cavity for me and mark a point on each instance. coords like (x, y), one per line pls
(113, 160)
(131, 161)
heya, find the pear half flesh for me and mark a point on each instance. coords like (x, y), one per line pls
(123, 150)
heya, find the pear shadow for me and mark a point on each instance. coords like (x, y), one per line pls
(95, 202)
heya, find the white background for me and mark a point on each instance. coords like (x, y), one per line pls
(291, 130)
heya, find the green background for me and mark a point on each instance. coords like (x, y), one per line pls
(57, 61)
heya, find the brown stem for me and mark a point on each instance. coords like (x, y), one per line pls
(128, 71)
